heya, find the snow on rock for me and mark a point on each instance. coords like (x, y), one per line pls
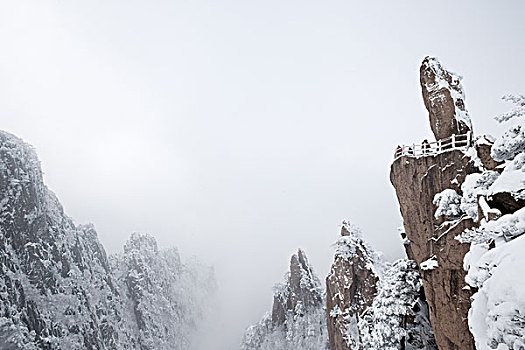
(512, 179)
(505, 228)
(448, 203)
(429, 264)
(298, 319)
(497, 315)
(474, 185)
(510, 143)
(485, 140)
(444, 99)
(350, 286)
(496, 262)
(301, 290)
(56, 289)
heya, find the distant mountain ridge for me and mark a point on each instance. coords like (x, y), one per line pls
(59, 290)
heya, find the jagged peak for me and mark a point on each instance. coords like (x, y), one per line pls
(439, 77)
(444, 98)
(350, 241)
(301, 289)
(351, 245)
(301, 274)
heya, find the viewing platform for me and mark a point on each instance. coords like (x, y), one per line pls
(454, 142)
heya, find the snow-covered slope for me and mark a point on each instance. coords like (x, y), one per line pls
(298, 318)
(57, 289)
(496, 261)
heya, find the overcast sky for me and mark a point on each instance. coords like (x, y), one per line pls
(239, 131)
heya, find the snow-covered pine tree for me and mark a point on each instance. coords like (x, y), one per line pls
(398, 317)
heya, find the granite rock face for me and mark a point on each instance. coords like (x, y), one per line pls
(351, 287)
(444, 99)
(417, 181)
(431, 238)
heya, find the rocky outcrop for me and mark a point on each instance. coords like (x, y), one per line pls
(297, 320)
(372, 305)
(301, 291)
(431, 240)
(444, 99)
(351, 287)
(58, 289)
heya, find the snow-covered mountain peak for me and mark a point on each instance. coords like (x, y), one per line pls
(444, 99)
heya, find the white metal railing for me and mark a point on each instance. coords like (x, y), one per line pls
(453, 142)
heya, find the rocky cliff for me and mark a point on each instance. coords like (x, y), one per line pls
(57, 287)
(297, 320)
(439, 199)
(350, 287)
(417, 181)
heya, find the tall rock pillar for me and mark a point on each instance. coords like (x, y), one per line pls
(444, 99)
(431, 241)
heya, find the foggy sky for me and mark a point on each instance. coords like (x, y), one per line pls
(239, 131)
